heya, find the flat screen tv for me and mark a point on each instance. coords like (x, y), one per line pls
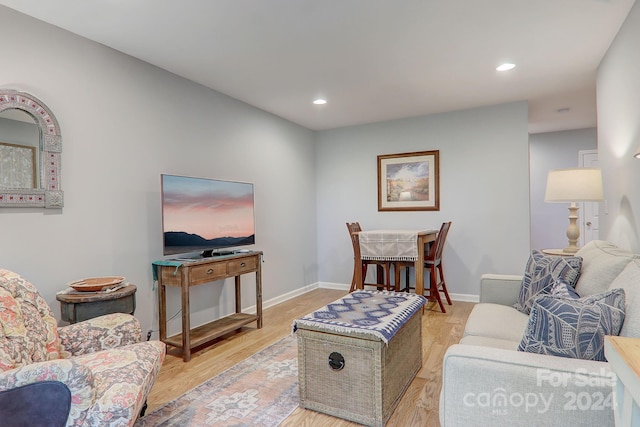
(205, 215)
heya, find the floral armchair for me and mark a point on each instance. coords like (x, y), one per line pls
(103, 365)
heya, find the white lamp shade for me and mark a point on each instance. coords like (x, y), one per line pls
(574, 185)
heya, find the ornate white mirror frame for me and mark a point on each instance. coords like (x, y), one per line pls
(49, 192)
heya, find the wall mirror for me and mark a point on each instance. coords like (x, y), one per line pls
(30, 152)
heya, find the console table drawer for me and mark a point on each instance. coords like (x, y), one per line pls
(208, 273)
(242, 265)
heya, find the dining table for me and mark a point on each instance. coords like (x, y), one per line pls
(389, 245)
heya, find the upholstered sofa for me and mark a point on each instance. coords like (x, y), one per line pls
(92, 373)
(487, 381)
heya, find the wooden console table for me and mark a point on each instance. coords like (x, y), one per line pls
(193, 273)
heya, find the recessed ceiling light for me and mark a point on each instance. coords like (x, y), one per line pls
(320, 101)
(505, 67)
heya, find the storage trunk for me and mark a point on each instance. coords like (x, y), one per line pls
(366, 377)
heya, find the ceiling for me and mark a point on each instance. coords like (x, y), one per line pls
(373, 60)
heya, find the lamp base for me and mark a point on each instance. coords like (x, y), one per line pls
(573, 231)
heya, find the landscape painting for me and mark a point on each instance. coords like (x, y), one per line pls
(409, 181)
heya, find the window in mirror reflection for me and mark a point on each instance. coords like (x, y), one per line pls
(19, 147)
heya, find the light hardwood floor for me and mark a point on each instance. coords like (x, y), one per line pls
(418, 407)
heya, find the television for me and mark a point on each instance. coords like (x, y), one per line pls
(205, 215)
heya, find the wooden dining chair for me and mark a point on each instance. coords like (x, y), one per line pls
(432, 262)
(382, 267)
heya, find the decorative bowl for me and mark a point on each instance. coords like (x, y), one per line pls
(95, 284)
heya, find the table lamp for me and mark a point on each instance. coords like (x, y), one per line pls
(574, 185)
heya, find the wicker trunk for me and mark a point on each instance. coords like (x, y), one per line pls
(366, 378)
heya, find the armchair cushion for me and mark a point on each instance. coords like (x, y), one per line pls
(542, 273)
(100, 333)
(576, 328)
(123, 378)
(28, 330)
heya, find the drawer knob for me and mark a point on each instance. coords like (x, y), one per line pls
(210, 271)
(336, 361)
(242, 264)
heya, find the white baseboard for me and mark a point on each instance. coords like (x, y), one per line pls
(465, 297)
(282, 298)
(337, 286)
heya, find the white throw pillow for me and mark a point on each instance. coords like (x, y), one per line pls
(602, 262)
(629, 280)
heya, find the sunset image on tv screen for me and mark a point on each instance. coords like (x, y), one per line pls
(205, 213)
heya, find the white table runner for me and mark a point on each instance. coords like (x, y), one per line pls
(389, 245)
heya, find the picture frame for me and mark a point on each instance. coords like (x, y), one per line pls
(409, 181)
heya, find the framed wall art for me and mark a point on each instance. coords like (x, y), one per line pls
(409, 181)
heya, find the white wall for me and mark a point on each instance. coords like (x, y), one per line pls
(484, 183)
(618, 91)
(547, 151)
(123, 123)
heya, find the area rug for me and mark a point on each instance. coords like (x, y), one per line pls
(259, 391)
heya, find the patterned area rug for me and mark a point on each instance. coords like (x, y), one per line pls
(259, 391)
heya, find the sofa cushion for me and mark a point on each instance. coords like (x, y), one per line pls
(542, 273)
(490, 342)
(496, 321)
(575, 328)
(629, 280)
(601, 263)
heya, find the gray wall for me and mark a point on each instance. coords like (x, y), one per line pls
(123, 123)
(547, 151)
(618, 91)
(484, 183)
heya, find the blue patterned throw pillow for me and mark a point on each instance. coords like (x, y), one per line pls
(562, 289)
(542, 273)
(567, 327)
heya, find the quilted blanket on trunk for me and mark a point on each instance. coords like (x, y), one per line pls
(377, 314)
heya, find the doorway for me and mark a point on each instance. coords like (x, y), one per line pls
(589, 212)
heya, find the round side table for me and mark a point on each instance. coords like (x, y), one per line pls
(556, 252)
(78, 306)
